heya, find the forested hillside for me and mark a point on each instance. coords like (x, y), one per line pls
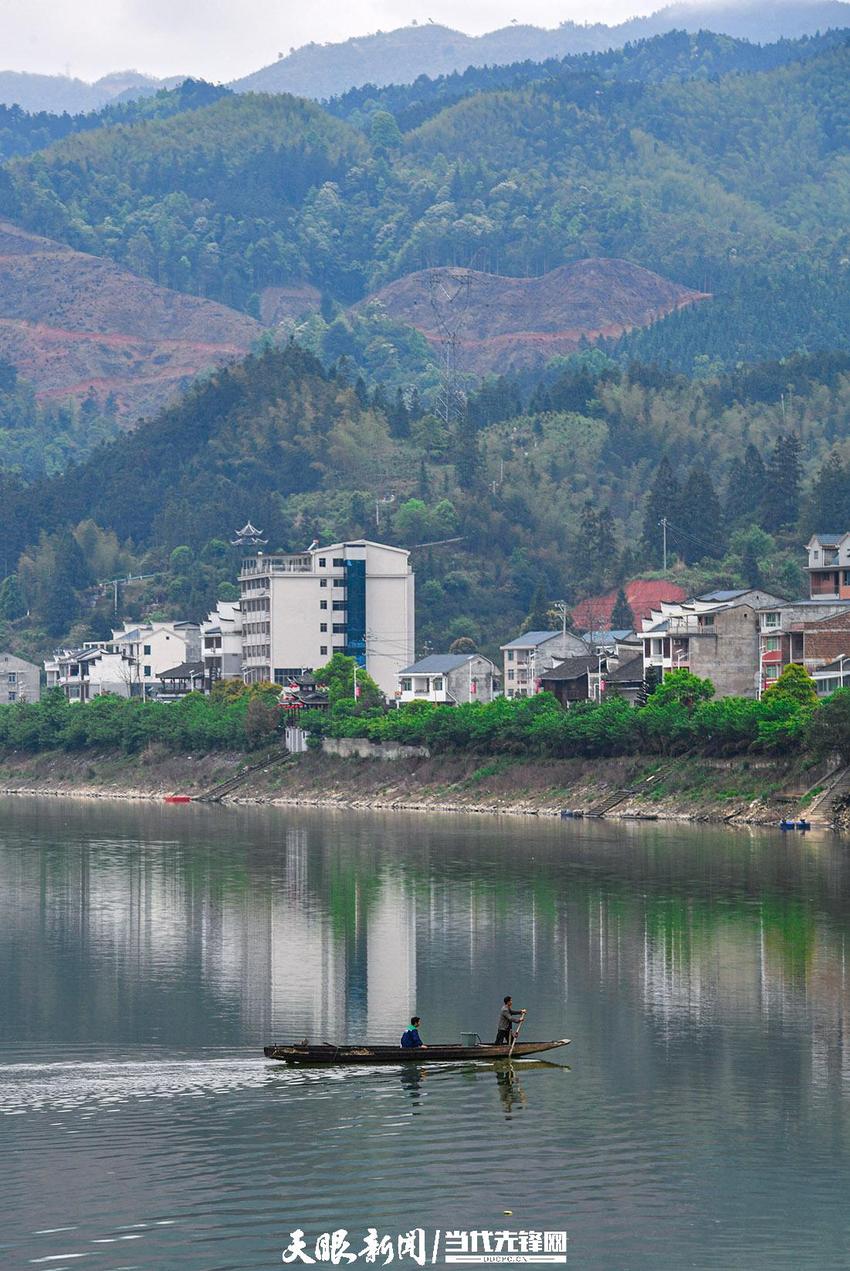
(554, 490)
(738, 187)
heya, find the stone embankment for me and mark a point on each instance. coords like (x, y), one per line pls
(739, 791)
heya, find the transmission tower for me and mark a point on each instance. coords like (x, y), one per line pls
(450, 292)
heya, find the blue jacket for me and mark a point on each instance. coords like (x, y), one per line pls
(411, 1038)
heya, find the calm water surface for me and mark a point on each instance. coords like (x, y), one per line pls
(146, 954)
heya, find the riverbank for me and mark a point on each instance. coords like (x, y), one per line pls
(755, 791)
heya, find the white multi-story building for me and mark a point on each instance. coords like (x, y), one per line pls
(20, 680)
(221, 640)
(354, 598)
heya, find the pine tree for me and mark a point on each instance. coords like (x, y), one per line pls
(398, 417)
(700, 526)
(828, 504)
(424, 490)
(750, 567)
(745, 488)
(781, 503)
(467, 456)
(606, 545)
(11, 601)
(661, 501)
(622, 618)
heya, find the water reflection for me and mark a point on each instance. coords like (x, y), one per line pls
(146, 954)
(328, 933)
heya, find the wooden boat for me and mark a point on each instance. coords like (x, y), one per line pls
(326, 1053)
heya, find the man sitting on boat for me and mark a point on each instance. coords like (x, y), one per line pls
(411, 1039)
(507, 1015)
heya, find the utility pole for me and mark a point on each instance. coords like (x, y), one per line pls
(561, 608)
(664, 524)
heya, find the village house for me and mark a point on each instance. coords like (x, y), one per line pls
(91, 671)
(829, 566)
(20, 681)
(221, 642)
(615, 666)
(526, 658)
(154, 647)
(716, 636)
(783, 635)
(449, 679)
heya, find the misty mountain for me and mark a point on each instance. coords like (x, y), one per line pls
(401, 56)
(61, 94)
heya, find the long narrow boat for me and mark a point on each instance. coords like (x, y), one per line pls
(327, 1053)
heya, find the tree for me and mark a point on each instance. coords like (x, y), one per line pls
(622, 618)
(794, 685)
(463, 644)
(338, 675)
(781, 503)
(384, 132)
(12, 604)
(750, 567)
(828, 729)
(661, 501)
(700, 524)
(828, 504)
(684, 688)
(745, 488)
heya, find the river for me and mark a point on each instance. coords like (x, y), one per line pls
(699, 1117)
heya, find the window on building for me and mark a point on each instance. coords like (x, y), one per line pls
(323, 582)
(340, 628)
(510, 675)
(771, 672)
(147, 672)
(147, 649)
(323, 604)
(13, 697)
(323, 626)
(13, 677)
(323, 649)
(816, 554)
(406, 685)
(510, 655)
(771, 619)
(438, 683)
(339, 563)
(338, 604)
(847, 578)
(323, 560)
(771, 644)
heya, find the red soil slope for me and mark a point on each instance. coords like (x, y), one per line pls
(643, 595)
(71, 322)
(506, 323)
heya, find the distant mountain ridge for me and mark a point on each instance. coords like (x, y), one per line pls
(322, 71)
(61, 94)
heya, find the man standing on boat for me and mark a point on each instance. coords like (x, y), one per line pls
(507, 1015)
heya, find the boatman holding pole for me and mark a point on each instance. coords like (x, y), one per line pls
(507, 1015)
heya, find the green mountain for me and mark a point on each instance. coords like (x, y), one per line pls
(553, 491)
(738, 187)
